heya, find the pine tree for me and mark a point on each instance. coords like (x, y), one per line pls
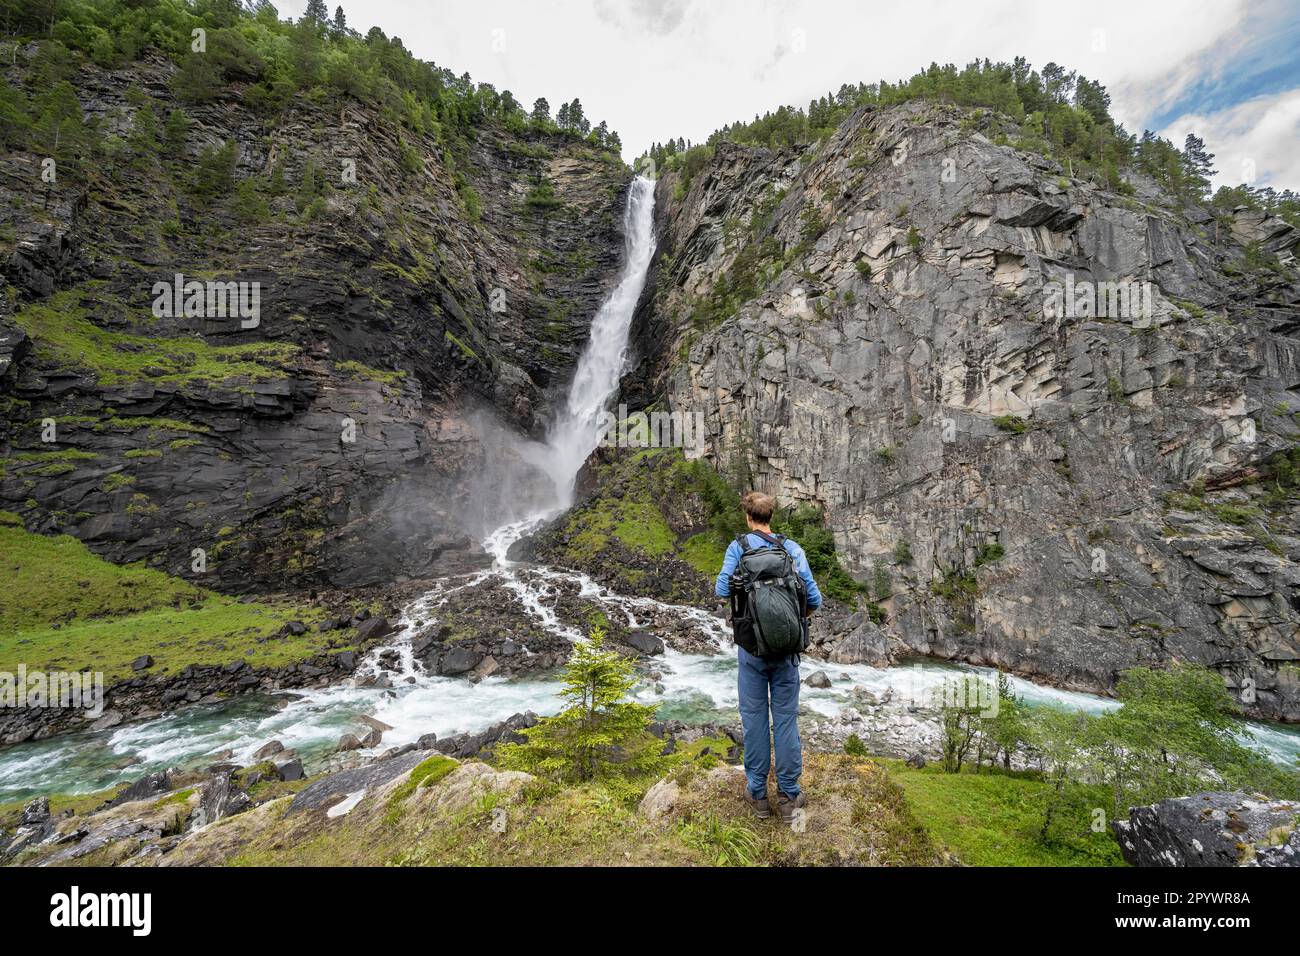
(340, 21)
(541, 110)
(577, 120)
(1198, 164)
(562, 117)
(599, 734)
(316, 12)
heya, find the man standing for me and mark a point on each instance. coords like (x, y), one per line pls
(764, 680)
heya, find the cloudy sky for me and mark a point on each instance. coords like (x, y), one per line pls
(654, 69)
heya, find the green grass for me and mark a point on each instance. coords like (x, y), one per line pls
(993, 819)
(704, 552)
(356, 370)
(64, 334)
(641, 525)
(68, 609)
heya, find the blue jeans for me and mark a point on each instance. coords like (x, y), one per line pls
(756, 677)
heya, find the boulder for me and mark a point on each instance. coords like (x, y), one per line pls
(290, 769)
(458, 660)
(644, 643)
(372, 628)
(141, 663)
(348, 742)
(219, 797)
(1212, 829)
(267, 750)
(818, 679)
(326, 789)
(150, 785)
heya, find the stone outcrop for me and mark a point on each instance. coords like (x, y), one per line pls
(1054, 492)
(1212, 829)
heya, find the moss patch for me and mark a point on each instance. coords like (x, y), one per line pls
(64, 334)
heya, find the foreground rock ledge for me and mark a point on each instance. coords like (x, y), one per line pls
(1212, 829)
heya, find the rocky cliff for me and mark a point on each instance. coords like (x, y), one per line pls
(906, 324)
(421, 296)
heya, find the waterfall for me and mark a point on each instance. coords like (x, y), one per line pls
(575, 433)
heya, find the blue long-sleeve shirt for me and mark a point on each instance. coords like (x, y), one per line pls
(729, 563)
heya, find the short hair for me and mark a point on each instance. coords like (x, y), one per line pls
(758, 506)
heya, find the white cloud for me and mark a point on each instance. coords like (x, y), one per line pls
(666, 68)
(1255, 141)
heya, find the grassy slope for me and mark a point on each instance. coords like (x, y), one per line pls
(66, 609)
(992, 819)
(860, 817)
(861, 811)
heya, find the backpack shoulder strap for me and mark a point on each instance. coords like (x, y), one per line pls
(777, 541)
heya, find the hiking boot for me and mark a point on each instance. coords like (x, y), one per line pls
(786, 806)
(762, 808)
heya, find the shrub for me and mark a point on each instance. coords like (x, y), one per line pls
(599, 734)
(854, 746)
(1011, 423)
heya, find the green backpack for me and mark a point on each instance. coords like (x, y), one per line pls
(770, 599)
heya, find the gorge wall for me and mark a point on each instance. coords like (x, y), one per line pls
(864, 325)
(436, 300)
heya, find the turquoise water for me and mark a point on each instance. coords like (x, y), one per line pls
(696, 688)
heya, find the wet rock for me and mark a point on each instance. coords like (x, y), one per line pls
(427, 742)
(818, 679)
(268, 750)
(108, 720)
(469, 745)
(644, 642)
(459, 660)
(348, 742)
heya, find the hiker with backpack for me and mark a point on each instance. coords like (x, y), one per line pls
(772, 594)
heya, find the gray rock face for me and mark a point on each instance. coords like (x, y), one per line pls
(368, 777)
(219, 797)
(33, 827)
(1212, 829)
(1060, 493)
(150, 785)
(397, 328)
